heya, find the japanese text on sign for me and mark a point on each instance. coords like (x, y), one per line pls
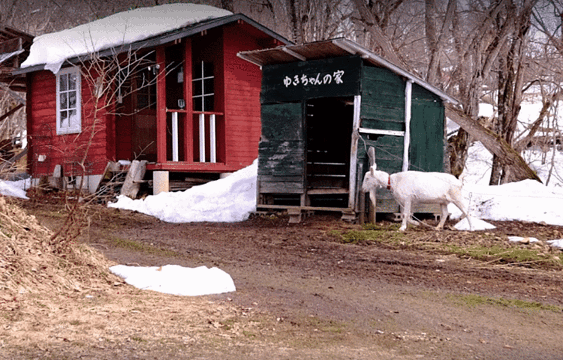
(311, 80)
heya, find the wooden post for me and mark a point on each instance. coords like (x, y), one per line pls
(354, 151)
(133, 179)
(160, 105)
(189, 116)
(362, 210)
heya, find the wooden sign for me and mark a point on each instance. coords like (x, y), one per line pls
(296, 81)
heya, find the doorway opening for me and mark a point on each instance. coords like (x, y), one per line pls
(329, 135)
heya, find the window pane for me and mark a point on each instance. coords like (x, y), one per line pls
(197, 88)
(72, 81)
(73, 119)
(64, 119)
(208, 103)
(207, 69)
(64, 101)
(72, 100)
(197, 71)
(63, 82)
(142, 101)
(208, 86)
(197, 104)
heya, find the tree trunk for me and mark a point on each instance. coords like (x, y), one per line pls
(295, 18)
(377, 34)
(228, 5)
(457, 150)
(517, 168)
(435, 40)
(511, 78)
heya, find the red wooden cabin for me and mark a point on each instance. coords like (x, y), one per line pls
(203, 118)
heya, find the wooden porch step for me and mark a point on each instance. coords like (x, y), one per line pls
(327, 191)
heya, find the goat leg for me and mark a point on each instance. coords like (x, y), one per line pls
(406, 215)
(444, 216)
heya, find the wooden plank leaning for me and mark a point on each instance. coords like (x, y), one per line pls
(133, 179)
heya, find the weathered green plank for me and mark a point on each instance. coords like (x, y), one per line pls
(281, 154)
(281, 157)
(383, 75)
(388, 153)
(383, 124)
(383, 98)
(420, 93)
(281, 187)
(282, 121)
(369, 111)
(426, 151)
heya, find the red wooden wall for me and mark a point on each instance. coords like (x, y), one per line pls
(66, 150)
(241, 96)
(239, 100)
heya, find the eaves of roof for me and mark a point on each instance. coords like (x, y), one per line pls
(166, 38)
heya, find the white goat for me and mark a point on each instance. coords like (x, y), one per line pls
(415, 187)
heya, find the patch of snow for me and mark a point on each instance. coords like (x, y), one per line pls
(177, 280)
(115, 30)
(556, 243)
(526, 200)
(477, 224)
(15, 188)
(230, 199)
(520, 239)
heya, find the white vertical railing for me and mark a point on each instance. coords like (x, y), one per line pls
(212, 139)
(201, 137)
(175, 136)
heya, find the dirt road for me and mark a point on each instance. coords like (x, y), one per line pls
(307, 291)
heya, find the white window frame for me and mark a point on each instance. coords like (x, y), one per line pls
(74, 125)
(201, 98)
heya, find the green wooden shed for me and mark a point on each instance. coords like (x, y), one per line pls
(323, 104)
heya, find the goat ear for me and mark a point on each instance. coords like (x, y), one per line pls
(372, 170)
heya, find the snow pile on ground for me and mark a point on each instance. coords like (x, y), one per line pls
(526, 200)
(230, 199)
(476, 224)
(177, 280)
(15, 188)
(524, 240)
(556, 243)
(115, 30)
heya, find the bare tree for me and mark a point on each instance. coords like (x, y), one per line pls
(374, 17)
(107, 79)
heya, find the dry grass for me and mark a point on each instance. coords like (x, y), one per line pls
(30, 262)
(63, 301)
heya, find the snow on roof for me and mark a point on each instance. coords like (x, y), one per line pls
(118, 29)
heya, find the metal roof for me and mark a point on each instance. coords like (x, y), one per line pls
(332, 48)
(169, 37)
